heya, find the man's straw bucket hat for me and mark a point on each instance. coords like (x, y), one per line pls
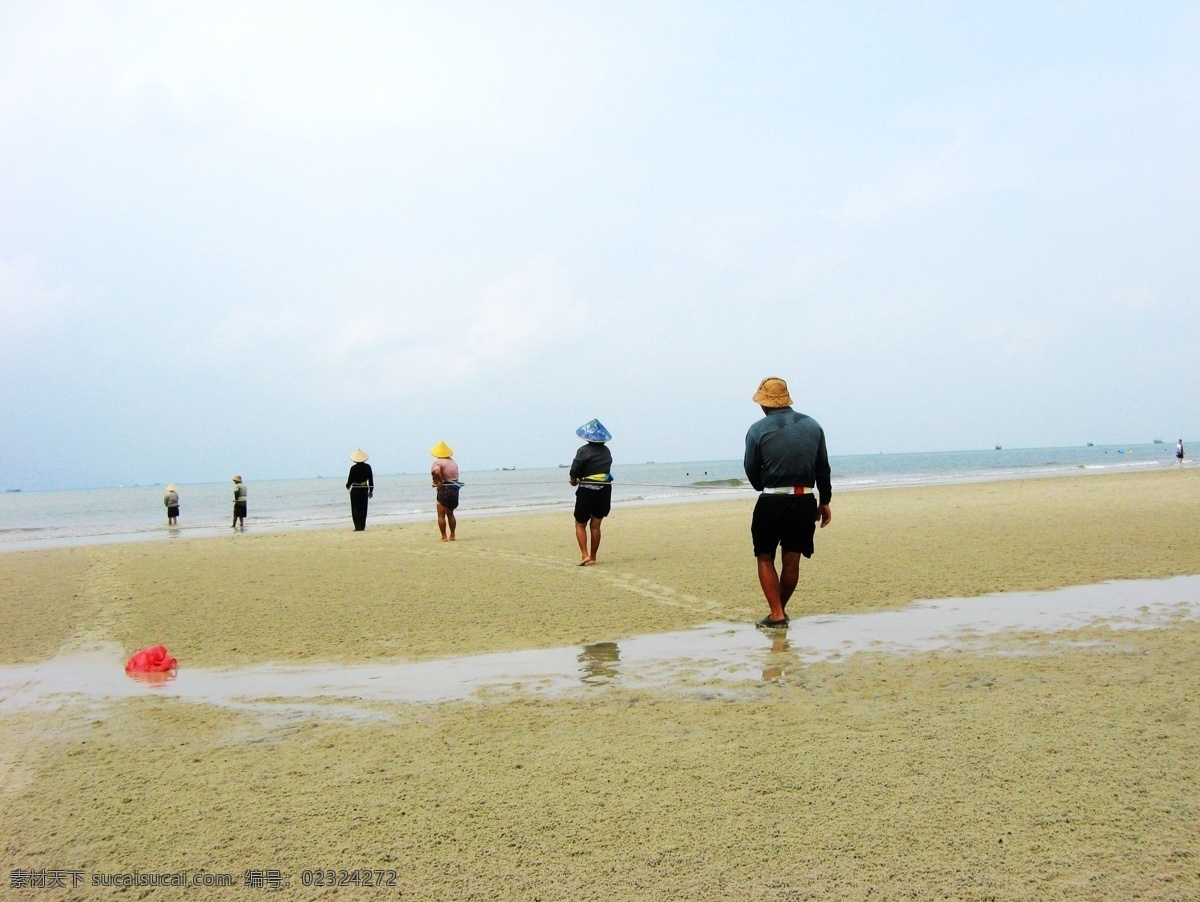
(172, 488)
(237, 478)
(773, 392)
(359, 456)
(441, 449)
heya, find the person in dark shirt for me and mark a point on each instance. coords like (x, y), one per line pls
(785, 459)
(361, 485)
(593, 497)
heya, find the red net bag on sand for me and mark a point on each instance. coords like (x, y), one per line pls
(155, 659)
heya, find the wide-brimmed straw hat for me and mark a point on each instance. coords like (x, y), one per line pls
(441, 449)
(773, 392)
(359, 456)
(172, 488)
(593, 431)
(237, 478)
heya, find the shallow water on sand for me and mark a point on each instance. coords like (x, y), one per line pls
(718, 656)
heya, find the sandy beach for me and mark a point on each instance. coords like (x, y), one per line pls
(1049, 767)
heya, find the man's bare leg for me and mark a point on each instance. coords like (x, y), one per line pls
(582, 538)
(442, 522)
(453, 523)
(789, 575)
(595, 540)
(769, 580)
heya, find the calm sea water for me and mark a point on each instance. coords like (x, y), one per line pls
(44, 519)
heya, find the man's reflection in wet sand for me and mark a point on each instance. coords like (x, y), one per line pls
(598, 663)
(780, 658)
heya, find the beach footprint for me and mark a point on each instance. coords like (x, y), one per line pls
(627, 582)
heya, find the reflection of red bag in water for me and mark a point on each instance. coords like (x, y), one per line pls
(155, 659)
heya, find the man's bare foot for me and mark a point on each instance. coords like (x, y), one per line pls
(452, 539)
(591, 560)
(585, 562)
(443, 539)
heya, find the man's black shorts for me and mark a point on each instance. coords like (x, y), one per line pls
(447, 496)
(787, 520)
(591, 503)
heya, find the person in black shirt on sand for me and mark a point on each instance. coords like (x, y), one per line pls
(593, 498)
(361, 484)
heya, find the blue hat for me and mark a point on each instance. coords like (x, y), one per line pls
(593, 431)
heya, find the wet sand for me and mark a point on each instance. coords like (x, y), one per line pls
(1046, 766)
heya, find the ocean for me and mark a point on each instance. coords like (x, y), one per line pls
(31, 520)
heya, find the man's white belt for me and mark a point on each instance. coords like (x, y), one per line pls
(786, 490)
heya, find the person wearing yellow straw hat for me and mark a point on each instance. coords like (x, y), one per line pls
(785, 458)
(361, 485)
(445, 479)
(171, 500)
(593, 497)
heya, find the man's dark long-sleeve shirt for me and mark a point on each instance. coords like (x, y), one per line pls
(360, 474)
(788, 448)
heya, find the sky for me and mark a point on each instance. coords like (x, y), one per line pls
(252, 237)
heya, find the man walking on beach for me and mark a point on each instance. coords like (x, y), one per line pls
(785, 459)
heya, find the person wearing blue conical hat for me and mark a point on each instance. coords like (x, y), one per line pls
(593, 497)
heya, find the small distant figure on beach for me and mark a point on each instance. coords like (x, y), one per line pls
(1179, 451)
(593, 497)
(171, 500)
(445, 479)
(361, 485)
(785, 459)
(239, 504)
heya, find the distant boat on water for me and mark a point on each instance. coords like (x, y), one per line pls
(998, 448)
(508, 468)
(563, 466)
(1090, 445)
(12, 490)
(1158, 441)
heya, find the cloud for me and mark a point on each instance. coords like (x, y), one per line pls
(305, 70)
(401, 350)
(27, 302)
(916, 185)
(516, 316)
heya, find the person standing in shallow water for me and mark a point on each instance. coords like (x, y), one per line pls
(239, 503)
(445, 479)
(361, 485)
(1179, 451)
(785, 458)
(171, 501)
(590, 471)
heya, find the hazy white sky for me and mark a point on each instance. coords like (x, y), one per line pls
(252, 237)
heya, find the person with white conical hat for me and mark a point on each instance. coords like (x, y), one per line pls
(361, 485)
(444, 471)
